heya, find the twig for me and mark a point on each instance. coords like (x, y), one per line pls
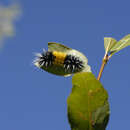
(104, 62)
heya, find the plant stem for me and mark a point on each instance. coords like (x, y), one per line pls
(104, 62)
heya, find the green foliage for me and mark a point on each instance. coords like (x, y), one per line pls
(112, 46)
(108, 44)
(53, 46)
(88, 107)
(124, 42)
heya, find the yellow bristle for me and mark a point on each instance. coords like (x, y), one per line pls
(59, 58)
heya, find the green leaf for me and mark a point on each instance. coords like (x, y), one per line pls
(88, 107)
(124, 42)
(53, 46)
(109, 43)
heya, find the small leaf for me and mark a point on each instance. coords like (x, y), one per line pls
(124, 42)
(88, 107)
(53, 46)
(109, 43)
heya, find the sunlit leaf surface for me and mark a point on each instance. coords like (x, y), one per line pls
(109, 43)
(88, 107)
(124, 42)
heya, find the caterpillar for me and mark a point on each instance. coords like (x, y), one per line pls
(61, 60)
(71, 63)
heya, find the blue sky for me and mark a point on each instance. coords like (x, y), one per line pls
(32, 99)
